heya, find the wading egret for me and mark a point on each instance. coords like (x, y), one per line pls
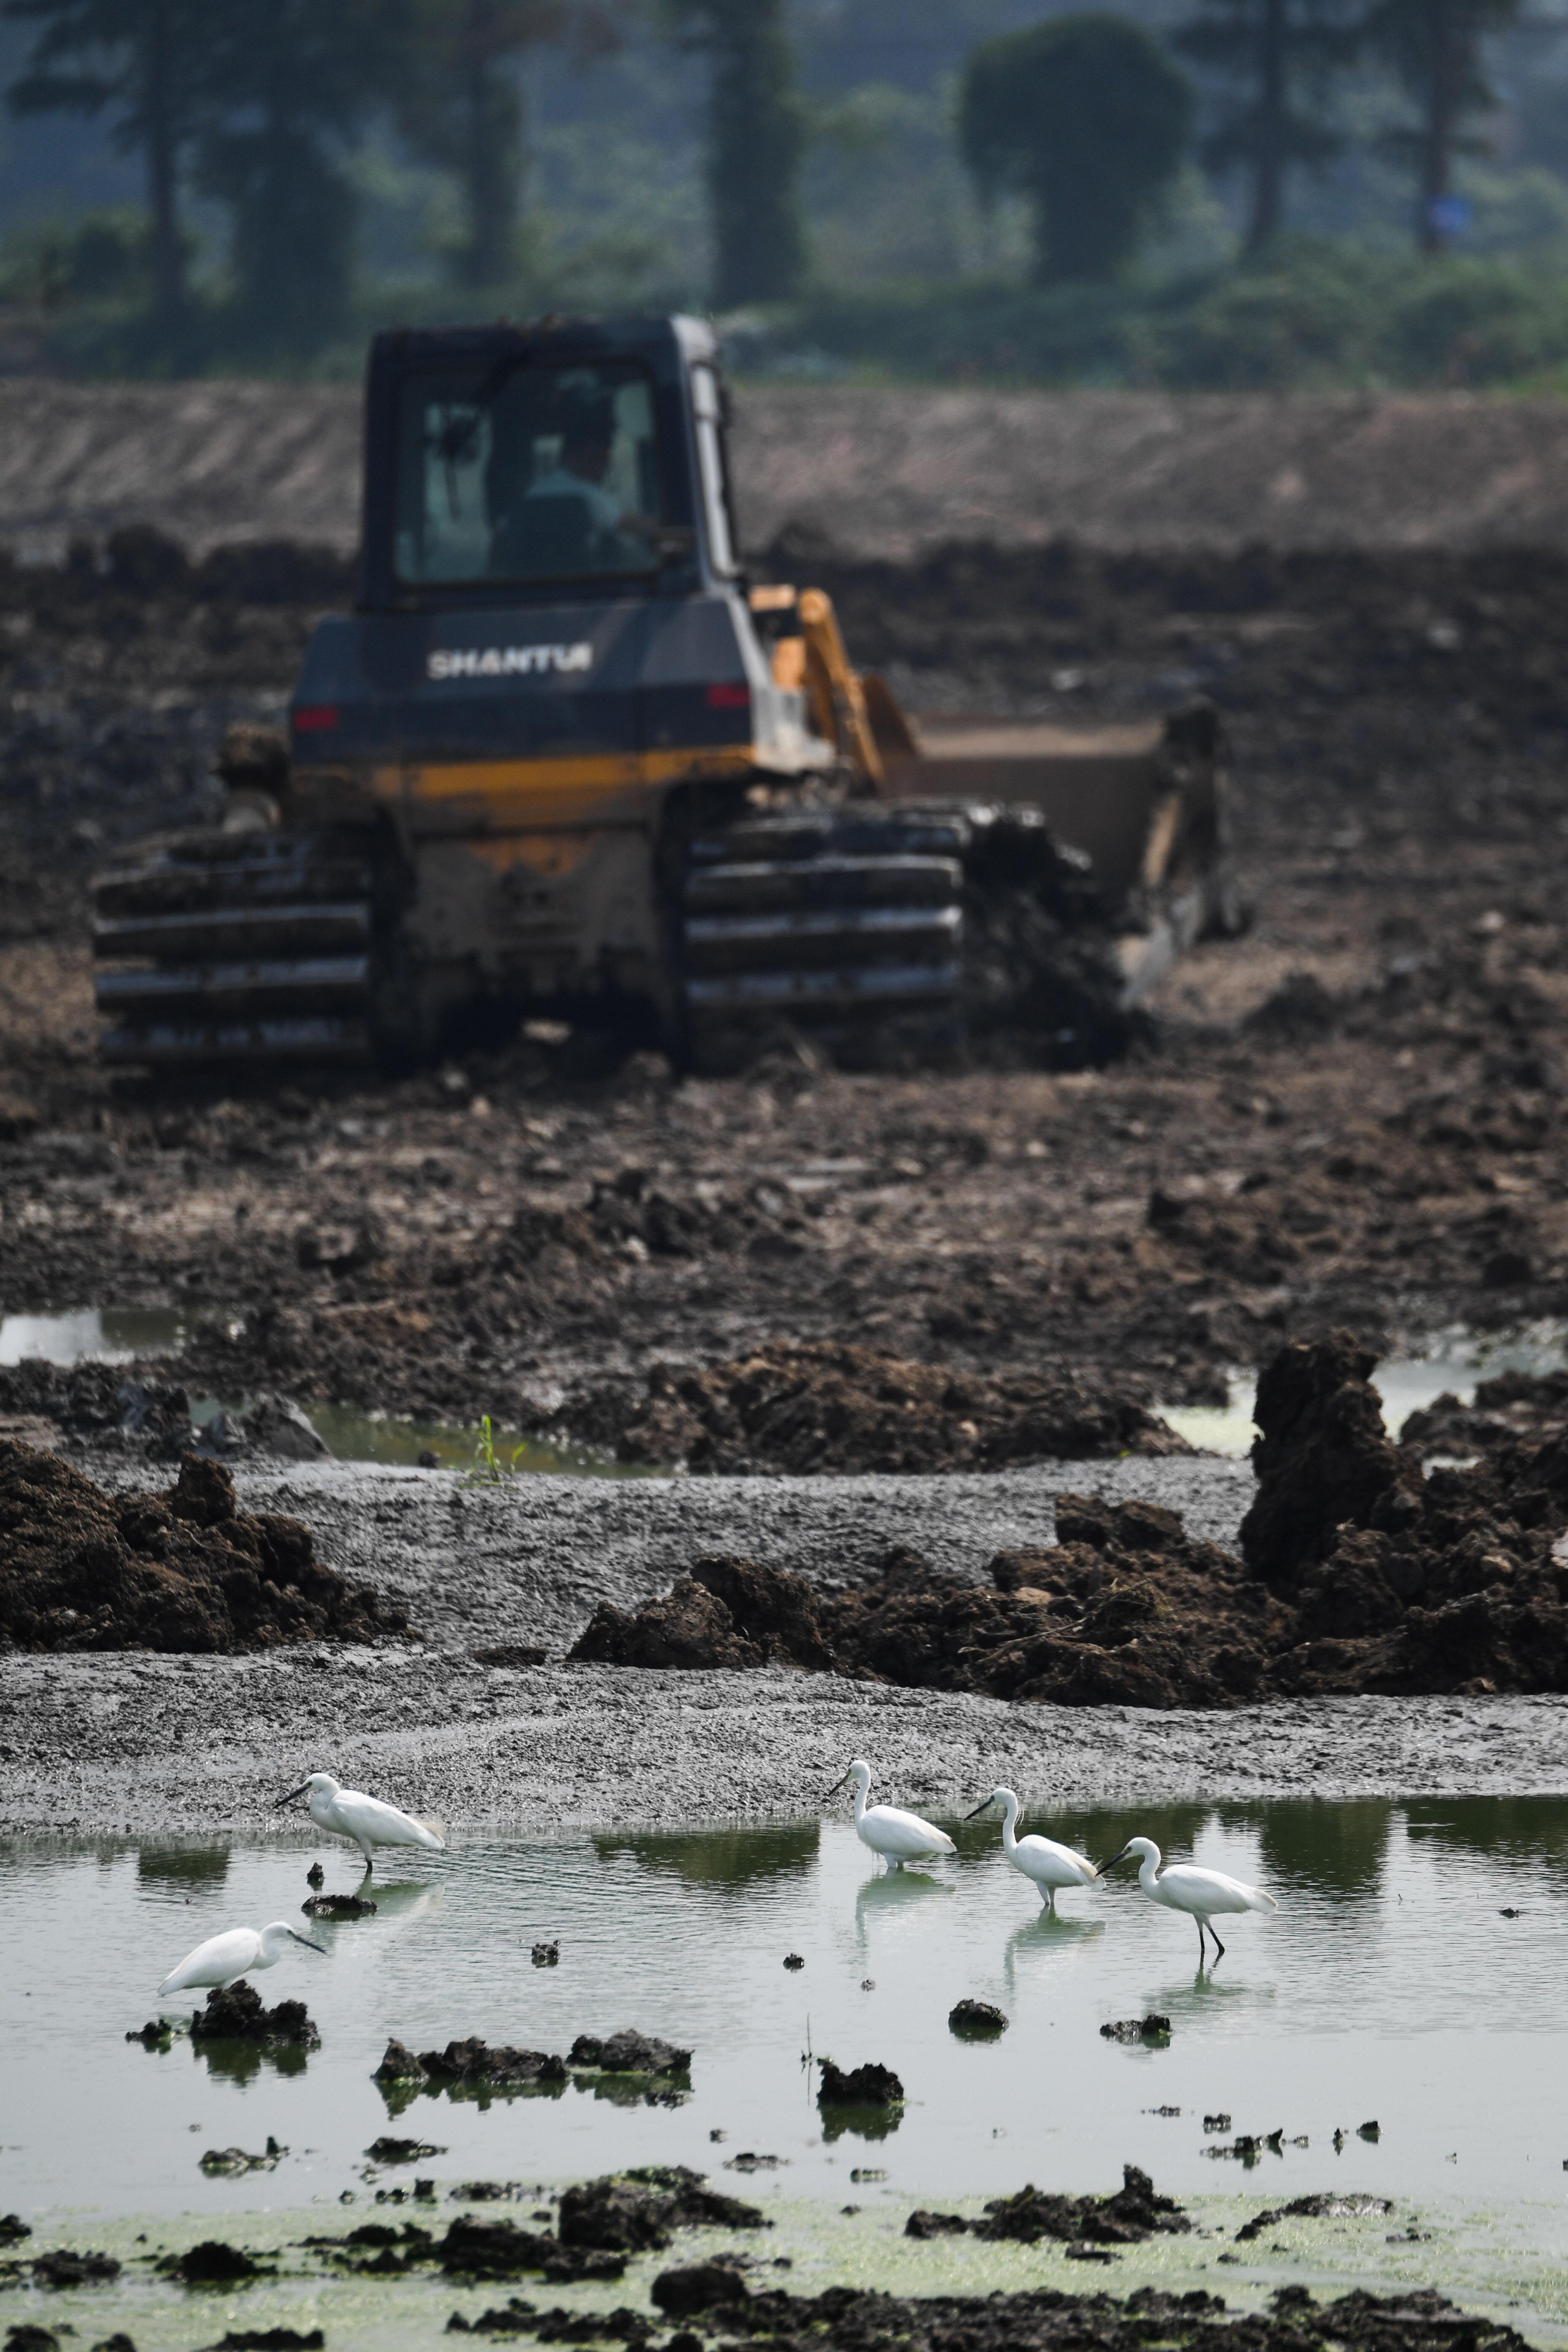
(897, 1836)
(1050, 1865)
(1199, 1892)
(224, 1960)
(348, 1813)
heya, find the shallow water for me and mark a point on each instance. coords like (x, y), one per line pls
(1387, 1987)
(1407, 1384)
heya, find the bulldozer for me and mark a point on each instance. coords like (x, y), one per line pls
(564, 759)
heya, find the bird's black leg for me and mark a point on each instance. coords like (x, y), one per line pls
(1218, 1947)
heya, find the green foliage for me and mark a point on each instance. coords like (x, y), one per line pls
(1276, 59)
(142, 63)
(756, 139)
(1088, 119)
(1436, 48)
(1309, 317)
(488, 1467)
(459, 106)
(57, 265)
(284, 82)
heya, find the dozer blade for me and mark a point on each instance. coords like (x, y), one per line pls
(233, 947)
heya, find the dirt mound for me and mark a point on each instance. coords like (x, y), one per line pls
(1512, 1406)
(1358, 1576)
(726, 1613)
(828, 1406)
(120, 1411)
(83, 1569)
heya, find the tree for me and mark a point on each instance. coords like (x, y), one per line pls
(142, 61)
(1088, 119)
(1282, 54)
(1435, 47)
(285, 81)
(756, 140)
(460, 105)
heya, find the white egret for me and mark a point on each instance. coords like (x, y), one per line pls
(224, 1960)
(1050, 1865)
(348, 1813)
(897, 1836)
(1182, 1886)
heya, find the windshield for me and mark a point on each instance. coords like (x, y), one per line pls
(526, 472)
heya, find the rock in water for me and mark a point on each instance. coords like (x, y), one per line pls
(1322, 1456)
(864, 2086)
(237, 2013)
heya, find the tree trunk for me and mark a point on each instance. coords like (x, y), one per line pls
(168, 255)
(1269, 158)
(492, 159)
(1437, 129)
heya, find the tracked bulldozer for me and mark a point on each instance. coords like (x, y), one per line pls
(563, 759)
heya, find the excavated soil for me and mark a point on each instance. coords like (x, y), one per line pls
(83, 1569)
(1357, 1574)
(1354, 1116)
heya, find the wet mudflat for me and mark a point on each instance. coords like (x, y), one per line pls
(1409, 1980)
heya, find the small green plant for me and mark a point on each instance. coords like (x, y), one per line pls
(488, 1467)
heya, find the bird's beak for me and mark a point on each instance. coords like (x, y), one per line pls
(308, 1946)
(978, 1811)
(302, 1791)
(1114, 1860)
(833, 1790)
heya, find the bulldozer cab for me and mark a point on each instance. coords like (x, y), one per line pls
(515, 464)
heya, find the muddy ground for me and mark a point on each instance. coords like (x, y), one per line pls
(1353, 1115)
(116, 1743)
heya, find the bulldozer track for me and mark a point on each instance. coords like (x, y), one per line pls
(827, 918)
(234, 946)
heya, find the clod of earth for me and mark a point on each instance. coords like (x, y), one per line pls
(469, 2061)
(976, 2019)
(213, 2264)
(726, 1613)
(83, 1569)
(516, 2317)
(793, 1960)
(266, 2339)
(13, 2229)
(863, 2087)
(156, 2034)
(631, 2211)
(387, 2150)
(473, 2248)
(627, 2051)
(220, 2160)
(698, 2286)
(338, 1907)
(1153, 2028)
(1316, 2209)
(1133, 2213)
(828, 1406)
(546, 1956)
(63, 2266)
(237, 2013)
(315, 1877)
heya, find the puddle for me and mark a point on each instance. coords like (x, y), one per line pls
(1405, 1383)
(362, 1437)
(1358, 2001)
(121, 1334)
(108, 1335)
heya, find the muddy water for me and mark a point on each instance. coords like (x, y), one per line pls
(1388, 1987)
